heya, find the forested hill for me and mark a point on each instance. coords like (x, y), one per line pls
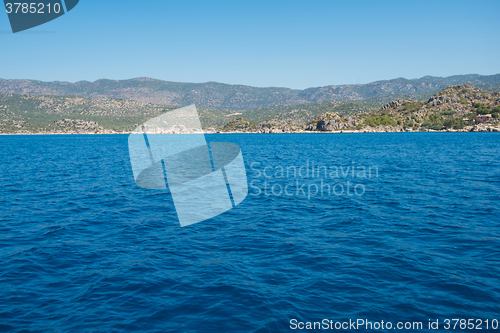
(213, 95)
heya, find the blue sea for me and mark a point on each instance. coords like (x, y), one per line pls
(413, 236)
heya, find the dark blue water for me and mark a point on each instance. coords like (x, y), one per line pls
(82, 248)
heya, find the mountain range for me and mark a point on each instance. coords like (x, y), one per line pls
(214, 95)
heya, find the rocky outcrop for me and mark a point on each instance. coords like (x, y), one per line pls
(241, 125)
(78, 126)
(332, 121)
(278, 126)
(449, 110)
(436, 100)
(336, 125)
(484, 128)
(397, 103)
(329, 125)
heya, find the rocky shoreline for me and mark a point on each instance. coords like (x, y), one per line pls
(460, 108)
(382, 129)
(455, 109)
(379, 129)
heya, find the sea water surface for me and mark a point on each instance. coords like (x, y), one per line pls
(82, 248)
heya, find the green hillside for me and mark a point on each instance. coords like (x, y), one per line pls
(214, 95)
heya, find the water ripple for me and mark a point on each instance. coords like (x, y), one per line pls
(83, 248)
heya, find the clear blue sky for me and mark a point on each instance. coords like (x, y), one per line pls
(294, 44)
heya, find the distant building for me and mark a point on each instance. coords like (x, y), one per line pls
(483, 118)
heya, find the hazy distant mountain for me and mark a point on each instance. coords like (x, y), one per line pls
(213, 95)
